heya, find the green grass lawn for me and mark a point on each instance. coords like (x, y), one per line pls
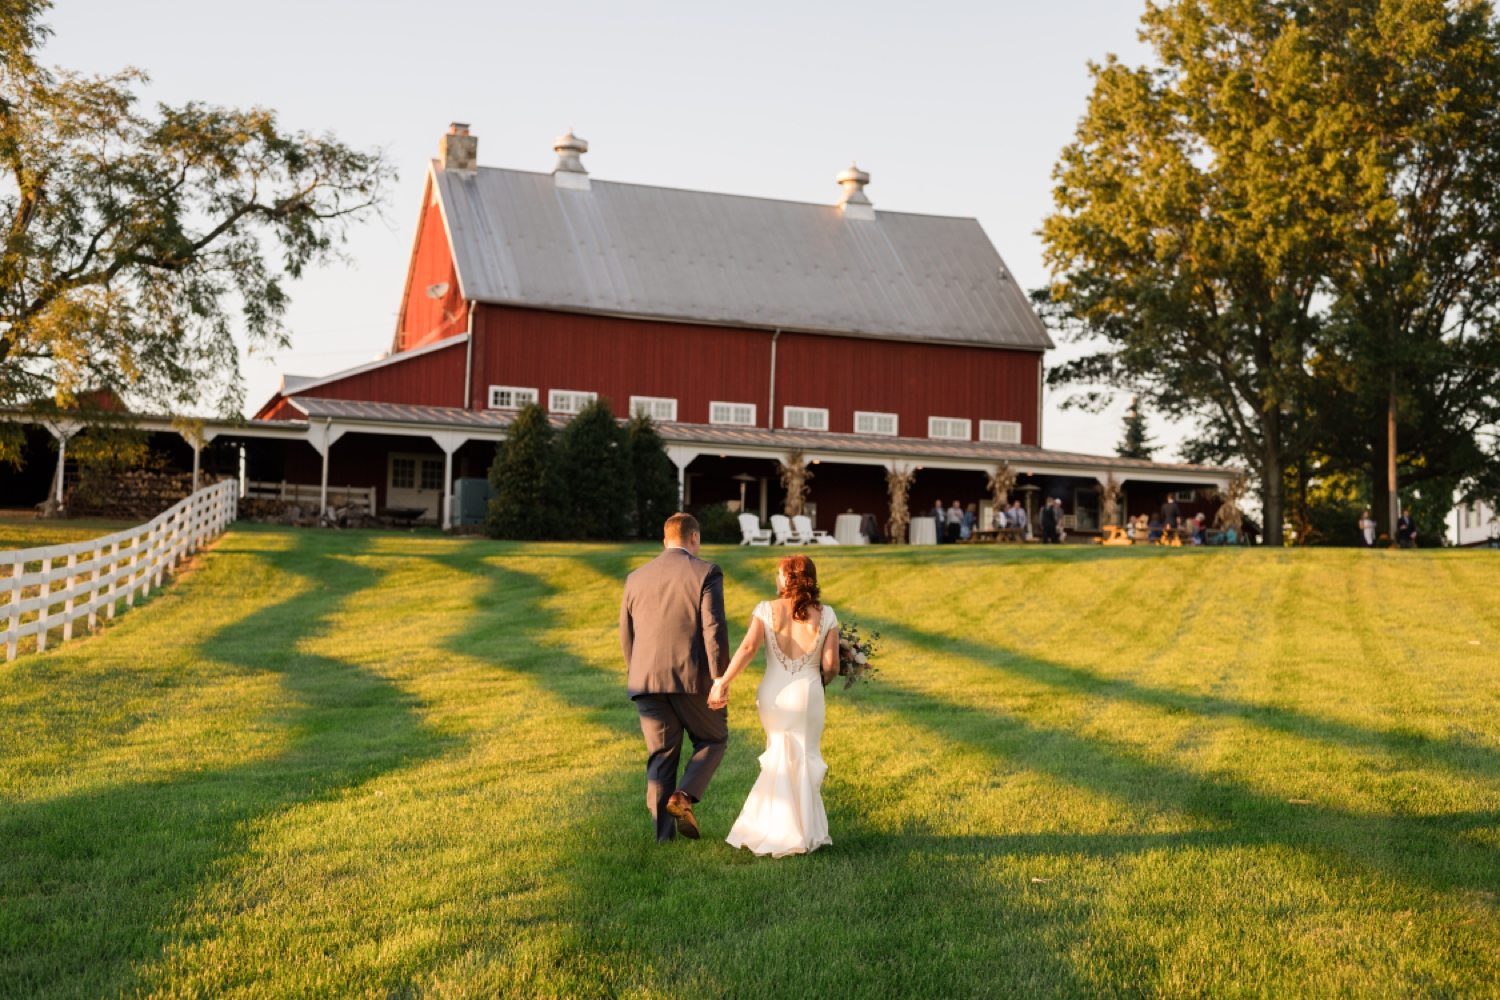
(389, 765)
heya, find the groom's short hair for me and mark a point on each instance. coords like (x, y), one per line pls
(680, 527)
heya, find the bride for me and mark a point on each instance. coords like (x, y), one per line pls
(784, 813)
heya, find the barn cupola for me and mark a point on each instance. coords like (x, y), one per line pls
(854, 203)
(458, 150)
(569, 172)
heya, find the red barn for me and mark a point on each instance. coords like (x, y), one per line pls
(748, 328)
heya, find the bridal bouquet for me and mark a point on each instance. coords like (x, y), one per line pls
(855, 653)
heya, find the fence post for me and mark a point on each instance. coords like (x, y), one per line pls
(68, 604)
(15, 606)
(114, 578)
(41, 612)
(94, 587)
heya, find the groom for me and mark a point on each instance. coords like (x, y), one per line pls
(676, 644)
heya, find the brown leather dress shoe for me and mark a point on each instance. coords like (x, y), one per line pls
(681, 809)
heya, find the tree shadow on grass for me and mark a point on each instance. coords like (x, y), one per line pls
(887, 915)
(92, 883)
(1435, 852)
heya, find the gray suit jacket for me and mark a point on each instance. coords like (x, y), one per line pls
(672, 627)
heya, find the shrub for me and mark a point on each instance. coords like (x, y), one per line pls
(656, 496)
(594, 456)
(529, 492)
(718, 524)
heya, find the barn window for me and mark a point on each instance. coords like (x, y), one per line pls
(949, 429)
(1000, 431)
(804, 418)
(738, 414)
(568, 401)
(403, 473)
(1184, 496)
(655, 407)
(867, 422)
(432, 474)
(510, 397)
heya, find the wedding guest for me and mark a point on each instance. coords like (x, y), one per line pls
(1200, 531)
(971, 518)
(1406, 530)
(1171, 514)
(1367, 530)
(955, 522)
(1018, 516)
(1051, 520)
(938, 518)
(1001, 518)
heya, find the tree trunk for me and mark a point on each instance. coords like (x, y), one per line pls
(1384, 498)
(1272, 485)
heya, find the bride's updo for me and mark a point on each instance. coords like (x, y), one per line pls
(800, 585)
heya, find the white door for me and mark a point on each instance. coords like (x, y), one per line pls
(416, 481)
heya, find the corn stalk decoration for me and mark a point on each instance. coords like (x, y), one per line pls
(1001, 482)
(1230, 514)
(898, 481)
(1109, 496)
(794, 475)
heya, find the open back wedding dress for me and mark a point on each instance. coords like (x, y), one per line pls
(784, 813)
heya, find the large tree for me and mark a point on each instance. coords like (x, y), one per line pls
(138, 244)
(597, 467)
(1218, 213)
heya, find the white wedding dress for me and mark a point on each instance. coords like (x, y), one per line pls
(784, 813)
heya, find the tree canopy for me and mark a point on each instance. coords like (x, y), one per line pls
(139, 243)
(1290, 211)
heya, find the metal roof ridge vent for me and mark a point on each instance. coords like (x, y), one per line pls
(855, 204)
(458, 149)
(569, 172)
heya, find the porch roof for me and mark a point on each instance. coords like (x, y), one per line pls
(686, 441)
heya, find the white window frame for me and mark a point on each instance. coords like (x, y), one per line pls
(731, 422)
(650, 404)
(1185, 496)
(801, 413)
(513, 390)
(875, 417)
(573, 396)
(933, 427)
(994, 431)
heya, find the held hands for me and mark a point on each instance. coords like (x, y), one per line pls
(718, 697)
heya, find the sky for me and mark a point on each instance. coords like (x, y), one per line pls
(953, 109)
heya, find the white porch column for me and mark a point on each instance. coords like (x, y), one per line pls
(682, 458)
(197, 463)
(322, 439)
(449, 441)
(62, 430)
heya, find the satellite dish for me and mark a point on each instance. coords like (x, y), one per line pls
(438, 290)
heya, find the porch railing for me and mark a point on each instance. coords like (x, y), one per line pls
(57, 585)
(361, 498)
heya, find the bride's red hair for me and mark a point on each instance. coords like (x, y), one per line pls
(801, 585)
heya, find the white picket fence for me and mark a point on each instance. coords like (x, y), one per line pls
(94, 576)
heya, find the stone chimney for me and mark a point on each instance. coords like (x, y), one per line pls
(854, 204)
(458, 149)
(569, 172)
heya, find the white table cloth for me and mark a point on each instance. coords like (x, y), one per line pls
(924, 531)
(846, 530)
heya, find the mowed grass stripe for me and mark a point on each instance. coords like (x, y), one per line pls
(421, 778)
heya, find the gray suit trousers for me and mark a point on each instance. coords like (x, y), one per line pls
(664, 718)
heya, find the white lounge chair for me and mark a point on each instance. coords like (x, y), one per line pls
(802, 525)
(751, 531)
(781, 527)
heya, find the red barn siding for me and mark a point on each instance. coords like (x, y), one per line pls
(620, 358)
(914, 381)
(424, 319)
(432, 379)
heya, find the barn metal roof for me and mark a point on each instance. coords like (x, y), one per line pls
(666, 253)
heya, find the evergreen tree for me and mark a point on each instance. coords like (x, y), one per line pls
(594, 457)
(656, 495)
(529, 495)
(1137, 442)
